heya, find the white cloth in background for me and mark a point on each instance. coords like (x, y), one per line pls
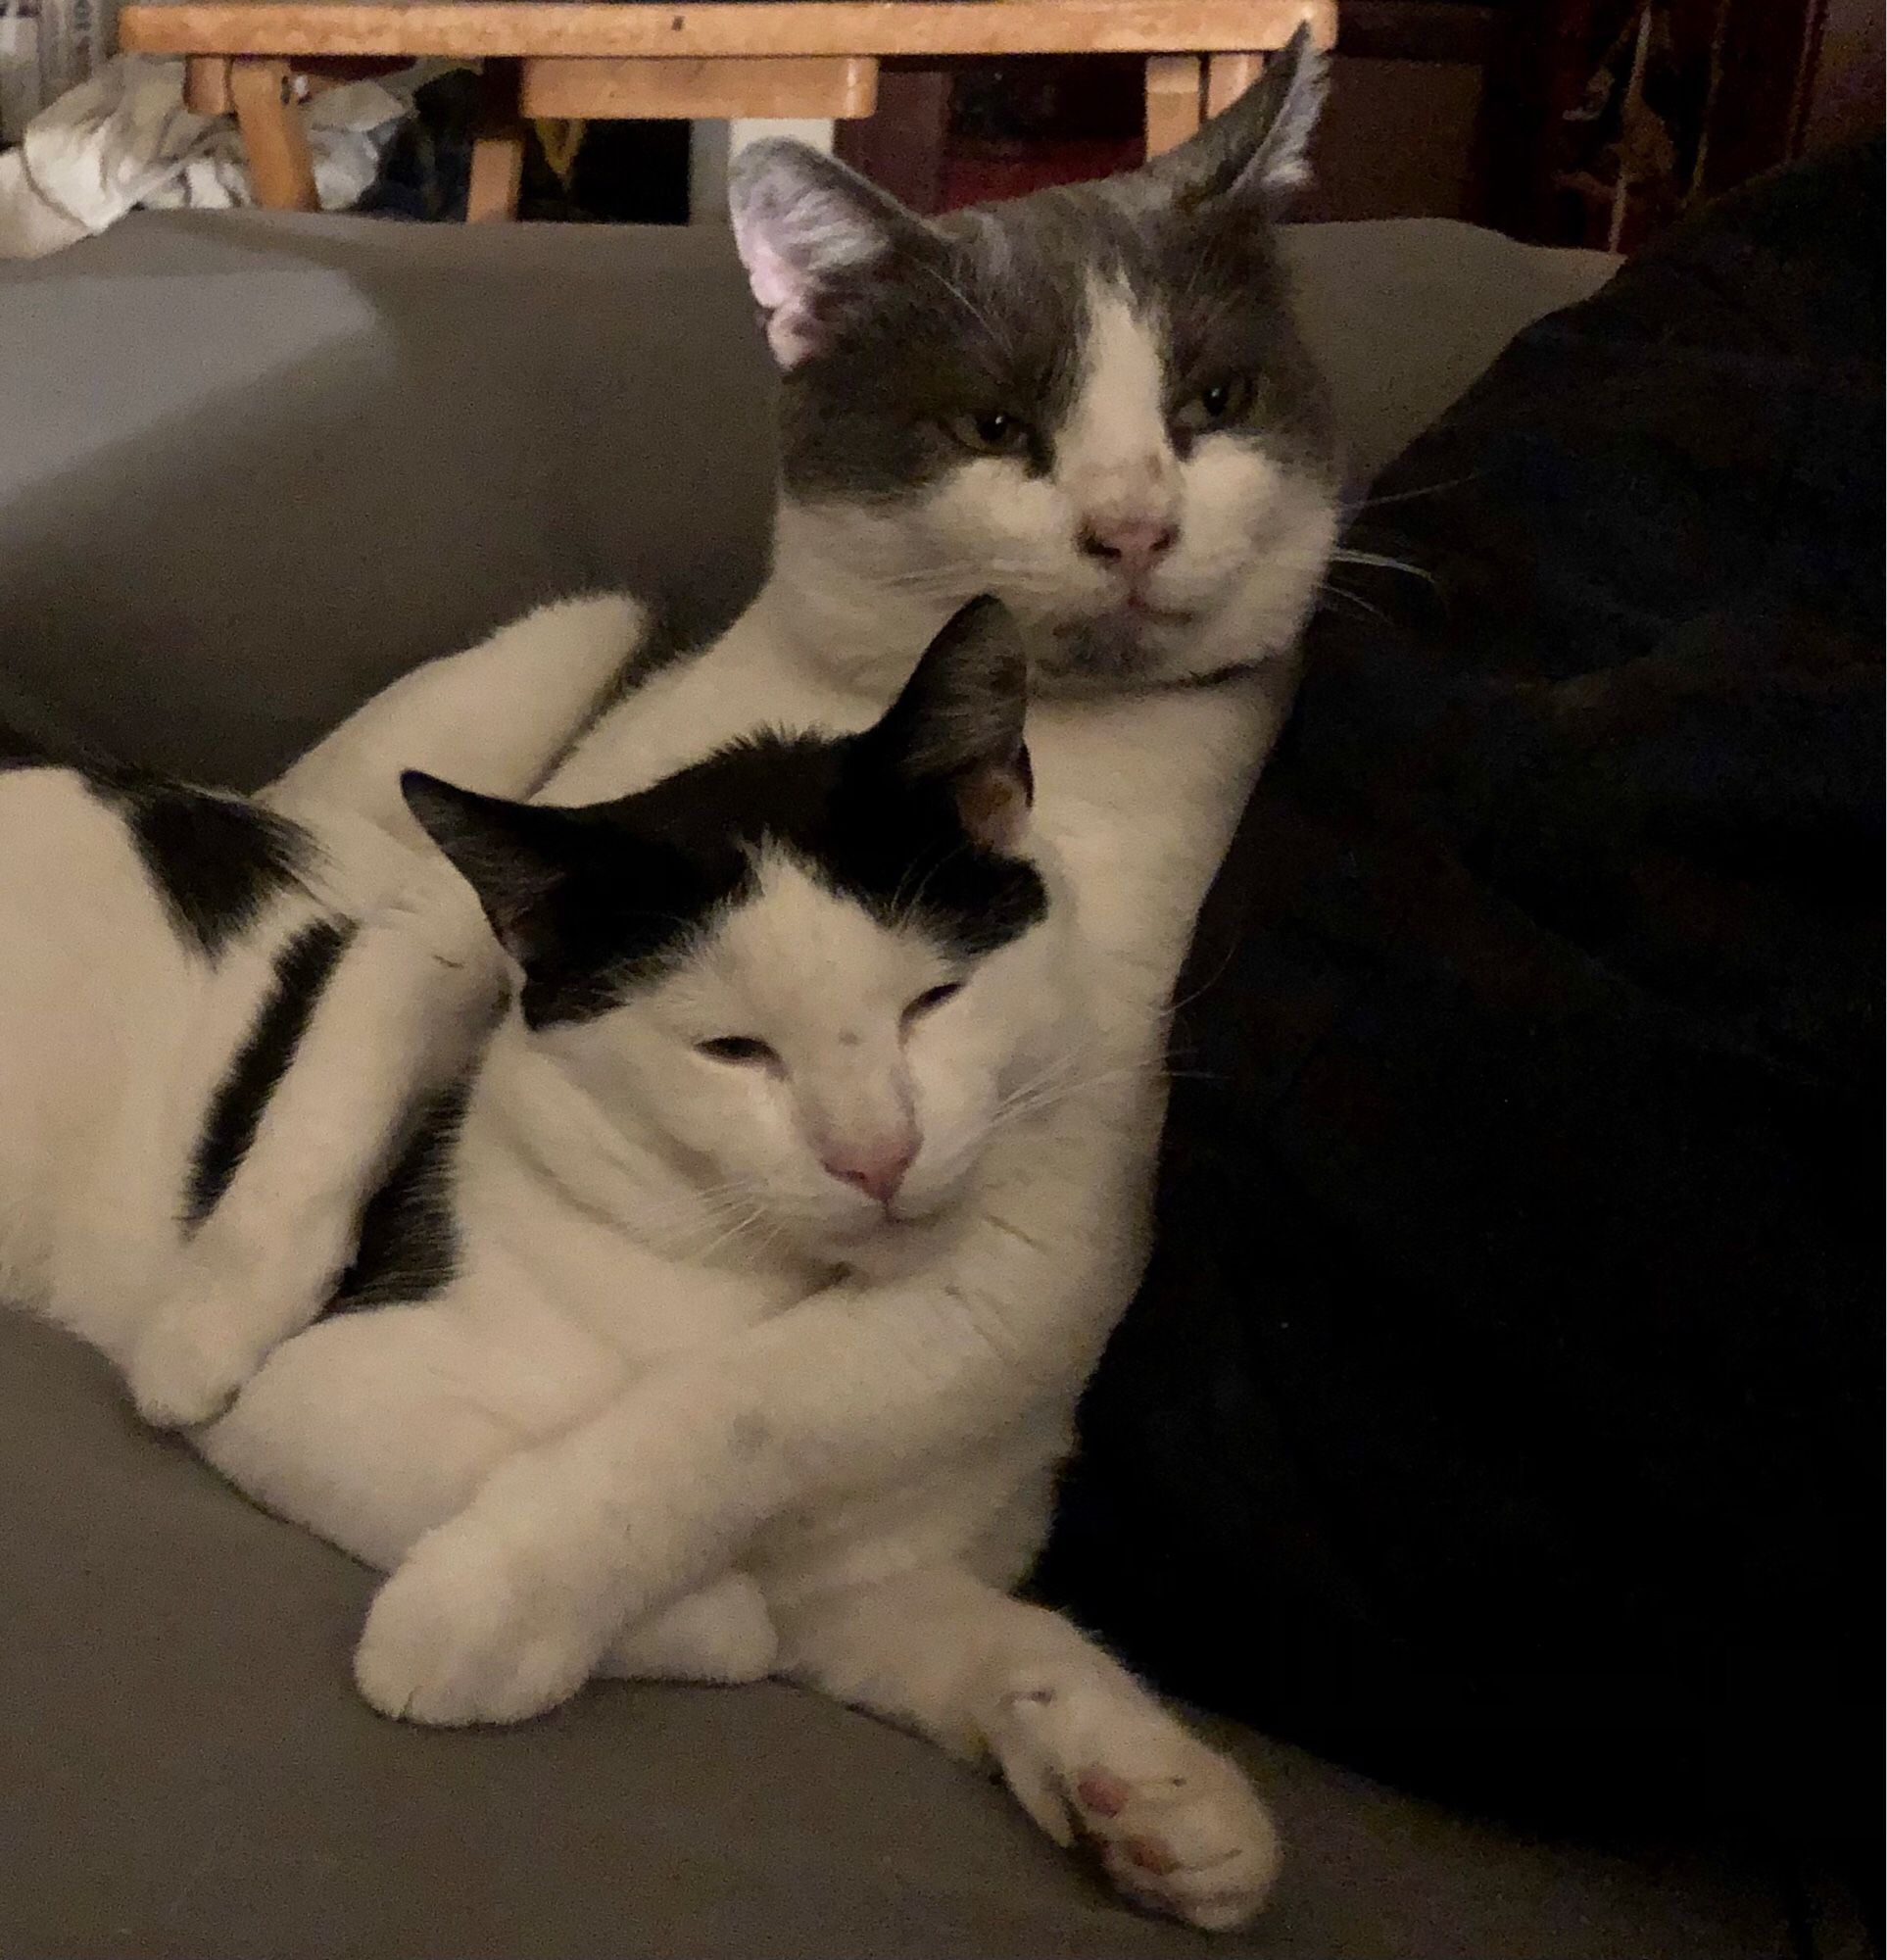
(125, 138)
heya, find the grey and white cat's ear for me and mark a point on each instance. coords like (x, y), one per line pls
(509, 852)
(808, 230)
(1259, 147)
(960, 720)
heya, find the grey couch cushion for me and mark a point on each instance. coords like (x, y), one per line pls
(253, 466)
(187, 1772)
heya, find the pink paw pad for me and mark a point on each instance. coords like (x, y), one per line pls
(1105, 1794)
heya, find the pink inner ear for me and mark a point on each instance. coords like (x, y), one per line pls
(782, 290)
(994, 804)
(770, 273)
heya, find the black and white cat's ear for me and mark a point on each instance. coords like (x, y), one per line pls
(808, 231)
(512, 854)
(959, 720)
(1257, 149)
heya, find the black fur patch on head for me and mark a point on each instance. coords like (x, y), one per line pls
(637, 881)
(217, 860)
(591, 902)
(303, 966)
(409, 1241)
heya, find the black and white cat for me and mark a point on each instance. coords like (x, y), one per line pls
(789, 1022)
(1092, 403)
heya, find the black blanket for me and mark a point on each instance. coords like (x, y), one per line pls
(1503, 1406)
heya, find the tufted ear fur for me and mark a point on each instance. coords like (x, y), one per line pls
(1258, 149)
(959, 720)
(811, 232)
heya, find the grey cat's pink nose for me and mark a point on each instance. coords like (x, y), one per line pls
(876, 1169)
(1135, 544)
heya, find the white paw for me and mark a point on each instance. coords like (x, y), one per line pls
(245, 1283)
(196, 1354)
(1178, 1828)
(474, 1627)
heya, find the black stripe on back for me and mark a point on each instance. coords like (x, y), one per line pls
(302, 969)
(217, 860)
(408, 1243)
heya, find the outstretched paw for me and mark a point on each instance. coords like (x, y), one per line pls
(1178, 1828)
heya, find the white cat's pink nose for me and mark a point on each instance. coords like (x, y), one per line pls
(876, 1169)
(1133, 545)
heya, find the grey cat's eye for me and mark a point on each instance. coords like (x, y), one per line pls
(995, 432)
(740, 1048)
(1212, 408)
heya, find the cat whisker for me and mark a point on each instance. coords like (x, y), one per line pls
(1329, 591)
(1345, 555)
(1409, 496)
(968, 305)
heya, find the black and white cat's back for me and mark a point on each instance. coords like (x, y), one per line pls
(118, 924)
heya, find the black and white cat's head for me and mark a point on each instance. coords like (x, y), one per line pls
(815, 964)
(1091, 401)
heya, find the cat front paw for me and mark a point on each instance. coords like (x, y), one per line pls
(241, 1288)
(1178, 1828)
(200, 1348)
(471, 1628)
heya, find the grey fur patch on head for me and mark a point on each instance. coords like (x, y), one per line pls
(899, 327)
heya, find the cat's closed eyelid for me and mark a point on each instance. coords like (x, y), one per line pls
(931, 998)
(740, 1051)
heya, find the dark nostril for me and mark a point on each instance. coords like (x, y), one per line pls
(1143, 543)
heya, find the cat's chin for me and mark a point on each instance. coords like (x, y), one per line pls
(1129, 646)
(881, 1246)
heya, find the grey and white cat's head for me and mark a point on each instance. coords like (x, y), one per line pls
(809, 969)
(1091, 402)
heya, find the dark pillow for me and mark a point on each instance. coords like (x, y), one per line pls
(1503, 1405)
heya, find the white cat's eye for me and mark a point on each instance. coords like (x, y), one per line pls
(932, 996)
(993, 433)
(743, 1049)
(1212, 408)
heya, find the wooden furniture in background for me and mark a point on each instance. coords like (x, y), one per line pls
(727, 58)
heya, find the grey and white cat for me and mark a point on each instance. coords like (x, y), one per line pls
(1094, 403)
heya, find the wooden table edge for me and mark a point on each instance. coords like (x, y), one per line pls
(575, 28)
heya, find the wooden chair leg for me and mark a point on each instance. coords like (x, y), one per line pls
(1172, 93)
(497, 149)
(281, 170)
(206, 85)
(1228, 77)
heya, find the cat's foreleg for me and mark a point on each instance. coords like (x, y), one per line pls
(373, 1428)
(506, 1610)
(495, 718)
(401, 1013)
(1090, 1754)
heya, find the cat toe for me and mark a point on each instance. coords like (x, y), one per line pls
(186, 1373)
